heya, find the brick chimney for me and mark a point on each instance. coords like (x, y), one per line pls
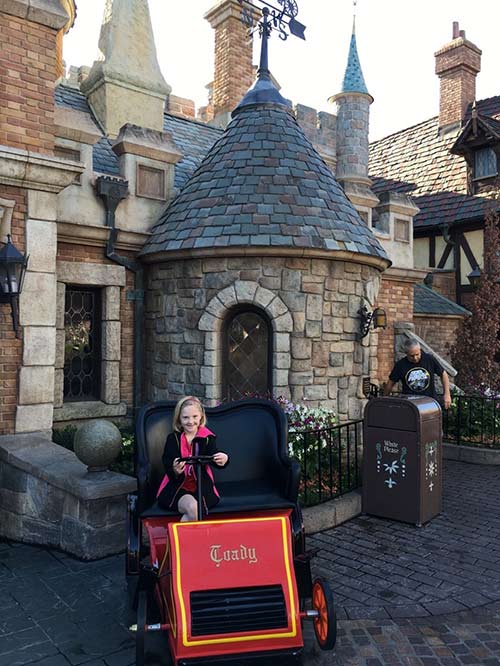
(28, 71)
(233, 58)
(457, 65)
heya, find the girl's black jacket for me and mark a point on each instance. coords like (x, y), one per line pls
(203, 446)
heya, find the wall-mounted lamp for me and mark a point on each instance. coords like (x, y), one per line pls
(475, 277)
(12, 270)
(378, 318)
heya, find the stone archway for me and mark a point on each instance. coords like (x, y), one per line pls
(246, 292)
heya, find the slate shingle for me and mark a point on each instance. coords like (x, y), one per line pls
(104, 159)
(417, 162)
(428, 301)
(71, 98)
(280, 179)
(193, 138)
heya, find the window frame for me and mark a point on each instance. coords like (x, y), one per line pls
(234, 312)
(398, 222)
(141, 167)
(477, 152)
(98, 325)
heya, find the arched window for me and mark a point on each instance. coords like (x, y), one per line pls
(246, 354)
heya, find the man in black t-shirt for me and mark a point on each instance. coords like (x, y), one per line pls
(416, 372)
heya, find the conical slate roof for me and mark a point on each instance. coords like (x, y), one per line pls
(262, 185)
(354, 81)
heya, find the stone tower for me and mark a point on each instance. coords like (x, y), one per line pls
(262, 232)
(353, 116)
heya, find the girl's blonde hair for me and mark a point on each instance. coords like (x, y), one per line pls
(187, 401)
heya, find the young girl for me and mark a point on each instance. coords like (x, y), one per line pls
(191, 437)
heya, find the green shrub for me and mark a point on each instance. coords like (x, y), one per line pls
(473, 420)
(65, 436)
(125, 462)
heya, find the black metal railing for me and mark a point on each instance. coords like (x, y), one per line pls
(330, 460)
(473, 421)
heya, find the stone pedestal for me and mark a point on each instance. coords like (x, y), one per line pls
(47, 497)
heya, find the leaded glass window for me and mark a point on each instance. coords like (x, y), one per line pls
(82, 349)
(247, 355)
(485, 163)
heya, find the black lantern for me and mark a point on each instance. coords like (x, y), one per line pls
(378, 318)
(475, 277)
(12, 270)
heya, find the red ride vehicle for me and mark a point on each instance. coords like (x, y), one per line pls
(238, 583)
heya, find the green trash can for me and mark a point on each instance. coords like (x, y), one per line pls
(402, 458)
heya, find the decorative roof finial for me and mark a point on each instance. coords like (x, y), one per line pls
(265, 32)
(474, 118)
(264, 91)
(279, 18)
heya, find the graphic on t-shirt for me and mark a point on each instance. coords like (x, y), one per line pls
(418, 379)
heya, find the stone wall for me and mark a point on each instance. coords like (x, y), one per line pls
(47, 497)
(320, 128)
(312, 305)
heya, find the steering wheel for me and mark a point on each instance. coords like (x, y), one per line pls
(193, 460)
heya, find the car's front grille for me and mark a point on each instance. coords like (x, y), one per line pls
(237, 609)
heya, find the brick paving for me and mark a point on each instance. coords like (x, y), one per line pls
(383, 569)
(404, 595)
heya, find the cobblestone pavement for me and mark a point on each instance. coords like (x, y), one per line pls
(404, 595)
(382, 569)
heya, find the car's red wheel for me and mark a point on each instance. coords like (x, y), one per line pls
(325, 624)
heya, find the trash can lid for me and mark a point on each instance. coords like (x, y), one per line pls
(401, 412)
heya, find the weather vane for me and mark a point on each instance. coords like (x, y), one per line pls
(280, 18)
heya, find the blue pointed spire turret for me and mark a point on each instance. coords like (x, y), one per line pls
(353, 78)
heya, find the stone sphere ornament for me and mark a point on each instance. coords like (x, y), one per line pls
(97, 444)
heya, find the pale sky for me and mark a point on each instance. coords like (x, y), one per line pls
(396, 41)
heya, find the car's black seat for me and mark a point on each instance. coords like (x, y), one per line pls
(253, 432)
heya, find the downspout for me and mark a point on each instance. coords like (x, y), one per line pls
(112, 191)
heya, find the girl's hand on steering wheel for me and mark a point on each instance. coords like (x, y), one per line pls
(220, 458)
(178, 466)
